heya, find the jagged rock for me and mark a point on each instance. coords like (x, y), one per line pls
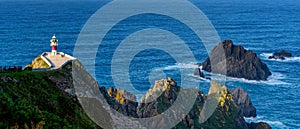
(246, 109)
(163, 93)
(234, 105)
(121, 100)
(260, 125)
(198, 72)
(226, 109)
(237, 62)
(241, 98)
(280, 55)
(121, 96)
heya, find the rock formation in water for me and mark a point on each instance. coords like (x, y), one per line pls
(199, 73)
(235, 61)
(280, 55)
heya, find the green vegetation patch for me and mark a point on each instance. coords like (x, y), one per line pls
(31, 100)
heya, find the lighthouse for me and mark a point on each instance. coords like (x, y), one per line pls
(53, 44)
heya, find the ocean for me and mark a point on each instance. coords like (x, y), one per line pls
(263, 26)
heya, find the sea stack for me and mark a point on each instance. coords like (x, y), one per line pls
(235, 61)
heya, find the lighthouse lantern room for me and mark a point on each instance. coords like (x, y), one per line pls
(54, 44)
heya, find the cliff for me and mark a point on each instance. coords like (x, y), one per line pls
(47, 100)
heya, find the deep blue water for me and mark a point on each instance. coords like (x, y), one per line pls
(263, 26)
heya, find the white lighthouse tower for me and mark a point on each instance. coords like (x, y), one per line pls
(54, 44)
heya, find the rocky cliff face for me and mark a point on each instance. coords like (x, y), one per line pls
(233, 106)
(121, 101)
(246, 109)
(161, 96)
(241, 98)
(235, 61)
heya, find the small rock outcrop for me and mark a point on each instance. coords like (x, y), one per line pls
(199, 73)
(280, 55)
(163, 93)
(246, 109)
(120, 100)
(234, 61)
(242, 99)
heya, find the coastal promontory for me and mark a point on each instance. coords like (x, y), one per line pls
(46, 99)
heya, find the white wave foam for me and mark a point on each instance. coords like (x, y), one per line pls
(292, 59)
(277, 124)
(266, 55)
(198, 78)
(274, 79)
(287, 59)
(180, 65)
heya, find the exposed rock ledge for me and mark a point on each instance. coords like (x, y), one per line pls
(237, 62)
(241, 98)
(234, 105)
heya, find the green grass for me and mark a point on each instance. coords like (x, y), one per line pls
(34, 100)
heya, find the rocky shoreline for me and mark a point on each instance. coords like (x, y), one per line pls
(233, 105)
